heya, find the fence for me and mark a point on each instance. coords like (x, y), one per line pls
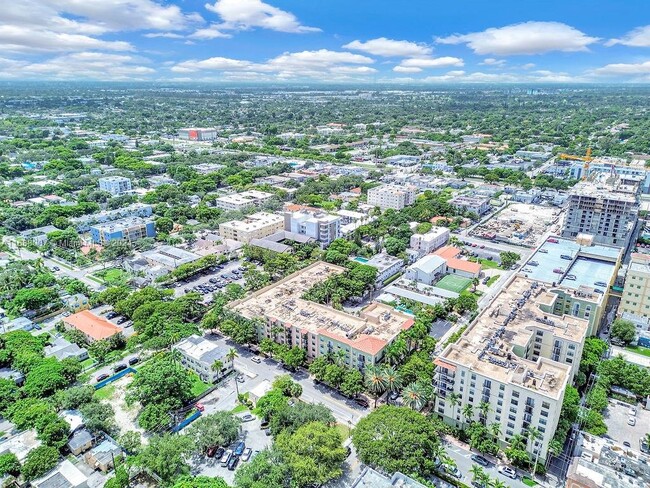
(186, 422)
(115, 377)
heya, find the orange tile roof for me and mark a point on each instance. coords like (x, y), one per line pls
(447, 252)
(363, 342)
(93, 326)
(450, 253)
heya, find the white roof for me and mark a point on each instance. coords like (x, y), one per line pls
(429, 263)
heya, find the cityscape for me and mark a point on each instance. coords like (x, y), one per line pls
(343, 267)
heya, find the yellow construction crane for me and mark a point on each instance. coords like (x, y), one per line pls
(586, 158)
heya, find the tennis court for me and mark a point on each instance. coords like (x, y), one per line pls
(454, 283)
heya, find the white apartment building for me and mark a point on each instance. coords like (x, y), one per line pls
(320, 226)
(636, 292)
(391, 196)
(240, 201)
(386, 265)
(200, 355)
(256, 226)
(429, 242)
(115, 185)
(476, 204)
(515, 357)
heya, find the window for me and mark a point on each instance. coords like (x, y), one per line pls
(515, 394)
(511, 425)
(544, 413)
(546, 405)
(514, 402)
(512, 417)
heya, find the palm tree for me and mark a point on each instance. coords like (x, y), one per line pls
(230, 356)
(393, 380)
(415, 396)
(375, 381)
(454, 398)
(468, 413)
(534, 434)
(497, 483)
(484, 408)
(216, 366)
(477, 473)
(495, 429)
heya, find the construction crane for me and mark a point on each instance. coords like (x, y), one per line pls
(586, 159)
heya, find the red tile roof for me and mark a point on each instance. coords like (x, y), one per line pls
(93, 326)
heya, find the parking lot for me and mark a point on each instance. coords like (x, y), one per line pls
(120, 321)
(616, 417)
(201, 282)
(251, 434)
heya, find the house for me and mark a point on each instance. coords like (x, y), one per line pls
(200, 355)
(93, 327)
(38, 236)
(65, 475)
(427, 270)
(103, 456)
(10, 374)
(80, 442)
(76, 303)
(259, 391)
(62, 349)
(19, 323)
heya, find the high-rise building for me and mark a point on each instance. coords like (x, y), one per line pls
(320, 226)
(606, 206)
(512, 366)
(391, 196)
(115, 185)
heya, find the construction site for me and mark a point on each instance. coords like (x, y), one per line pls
(520, 223)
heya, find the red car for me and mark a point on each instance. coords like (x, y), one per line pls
(200, 407)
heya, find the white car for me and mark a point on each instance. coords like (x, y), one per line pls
(508, 471)
(632, 411)
(631, 421)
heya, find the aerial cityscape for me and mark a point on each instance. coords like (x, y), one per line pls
(251, 244)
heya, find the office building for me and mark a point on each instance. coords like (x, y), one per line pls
(115, 185)
(243, 200)
(256, 226)
(580, 274)
(605, 207)
(200, 355)
(636, 292)
(391, 196)
(169, 257)
(129, 229)
(197, 134)
(318, 225)
(429, 242)
(289, 319)
(517, 357)
(476, 204)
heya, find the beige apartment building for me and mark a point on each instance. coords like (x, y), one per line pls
(256, 226)
(636, 293)
(391, 196)
(516, 358)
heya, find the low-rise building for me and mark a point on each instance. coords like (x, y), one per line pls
(369, 478)
(386, 265)
(200, 355)
(61, 349)
(243, 200)
(256, 226)
(475, 204)
(80, 442)
(76, 303)
(84, 222)
(429, 242)
(391, 196)
(104, 456)
(169, 257)
(90, 325)
(197, 134)
(636, 292)
(129, 229)
(115, 185)
(65, 475)
(320, 226)
(37, 236)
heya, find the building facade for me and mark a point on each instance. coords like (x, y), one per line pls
(255, 226)
(115, 185)
(391, 196)
(201, 355)
(320, 226)
(636, 292)
(475, 204)
(130, 229)
(197, 134)
(429, 242)
(243, 200)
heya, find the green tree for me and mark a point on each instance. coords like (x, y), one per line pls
(200, 482)
(266, 470)
(164, 225)
(99, 417)
(9, 464)
(289, 419)
(39, 461)
(623, 330)
(161, 381)
(375, 381)
(217, 429)
(397, 439)
(352, 383)
(131, 441)
(509, 259)
(9, 393)
(167, 456)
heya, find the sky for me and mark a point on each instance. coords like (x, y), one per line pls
(329, 41)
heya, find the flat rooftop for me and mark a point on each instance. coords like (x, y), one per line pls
(170, 256)
(249, 196)
(369, 331)
(122, 224)
(510, 320)
(582, 266)
(255, 221)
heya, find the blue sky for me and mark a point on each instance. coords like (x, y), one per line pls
(327, 40)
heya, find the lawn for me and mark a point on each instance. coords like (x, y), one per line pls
(105, 393)
(198, 386)
(344, 430)
(453, 283)
(239, 409)
(527, 481)
(487, 264)
(644, 351)
(492, 280)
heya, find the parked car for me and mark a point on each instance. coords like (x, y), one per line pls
(246, 455)
(247, 418)
(454, 471)
(362, 402)
(56, 268)
(226, 458)
(632, 411)
(119, 367)
(256, 359)
(111, 315)
(133, 361)
(508, 471)
(240, 448)
(212, 451)
(631, 421)
(200, 407)
(121, 320)
(102, 377)
(627, 444)
(232, 464)
(480, 460)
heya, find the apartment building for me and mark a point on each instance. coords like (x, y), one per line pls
(115, 185)
(243, 200)
(130, 229)
(606, 207)
(200, 355)
(516, 358)
(636, 292)
(476, 204)
(391, 196)
(169, 257)
(320, 226)
(385, 264)
(429, 242)
(289, 319)
(256, 226)
(197, 134)
(84, 222)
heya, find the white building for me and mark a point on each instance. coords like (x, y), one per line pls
(432, 240)
(169, 257)
(115, 185)
(391, 196)
(256, 226)
(320, 226)
(386, 265)
(427, 270)
(197, 134)
(240, 201)
(476, 204)
(200, 355)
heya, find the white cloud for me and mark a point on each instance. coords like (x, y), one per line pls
(211, 64)
(528, 66)
(442, 62)
(84, 65)
(166, 35)
(493, 62)
(540, 76)
(407, 69)
(639, 37)
(524, 38)
(390, 48)
(212, 32)
(247, 14)
(623, 69)
(18, 39)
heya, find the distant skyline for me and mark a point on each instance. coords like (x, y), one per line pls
(379, 41)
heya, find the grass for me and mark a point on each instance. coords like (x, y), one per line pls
(239, 409)
(487, 264)
(454, 283)
(643, 351)
(87, 362)
(344, 430)
(527, 481)
(198, 386)
(492, 280)
(105, 393)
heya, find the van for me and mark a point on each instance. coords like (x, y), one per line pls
(544, 251)
(226, 458)
(566, 256)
